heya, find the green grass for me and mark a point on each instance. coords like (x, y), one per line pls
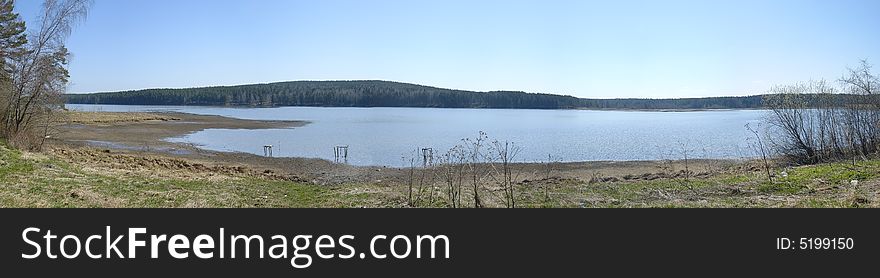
(35, 180)
(807, 178)
(824, 185)
(12, 163)
(833, 173)
(41, 181)
(781, 188)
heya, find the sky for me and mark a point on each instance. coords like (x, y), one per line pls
(595, 49)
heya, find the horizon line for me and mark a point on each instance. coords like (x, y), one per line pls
(401, 82)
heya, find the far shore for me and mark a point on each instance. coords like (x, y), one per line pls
(577, 108)
(668, 110)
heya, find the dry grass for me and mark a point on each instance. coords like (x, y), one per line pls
(79, 117)
(100, 178)
(35, 180)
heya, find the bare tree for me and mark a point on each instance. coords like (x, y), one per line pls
(552, 163)
(817, 122)
(476, 162)
(502, 172)
(684, 151)
(452, 169)
(864, 107)
(409, 191)
(790, 108)
(419, 181)
(805, 115)
(476, 165)
(761, 149)
(38, 74)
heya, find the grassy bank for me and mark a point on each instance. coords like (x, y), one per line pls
(57, 179)
(79, 117)
(41, 180)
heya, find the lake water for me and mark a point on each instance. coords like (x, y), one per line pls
(384, 136)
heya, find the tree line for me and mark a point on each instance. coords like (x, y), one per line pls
(745, 102)
(329, 93)
(389, 94)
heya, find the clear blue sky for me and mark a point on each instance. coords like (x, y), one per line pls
(582, 48)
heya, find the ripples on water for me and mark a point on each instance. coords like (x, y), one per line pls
(383, 136)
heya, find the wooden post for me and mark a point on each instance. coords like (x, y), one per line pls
(267, 150)
(427, 157)
(340, 153)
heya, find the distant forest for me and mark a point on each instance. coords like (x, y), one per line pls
(389, 94)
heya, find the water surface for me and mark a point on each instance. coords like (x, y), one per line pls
(389, 136)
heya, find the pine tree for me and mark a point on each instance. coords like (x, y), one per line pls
(12, 36)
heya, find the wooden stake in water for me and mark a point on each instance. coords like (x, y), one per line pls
(340, 154)
(427, 157)
(267, 150)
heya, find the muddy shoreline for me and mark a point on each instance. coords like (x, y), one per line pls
(144, 134)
